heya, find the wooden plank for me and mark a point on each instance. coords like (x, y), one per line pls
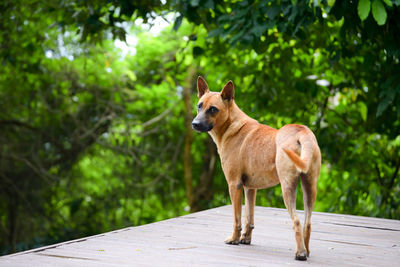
(197, 239)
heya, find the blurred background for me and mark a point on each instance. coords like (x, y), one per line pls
(97, 98)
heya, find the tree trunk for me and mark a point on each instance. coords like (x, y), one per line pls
(12, 223)
(187, 159)
(203, 193)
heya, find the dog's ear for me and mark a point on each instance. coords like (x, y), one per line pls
(202, 87)
(228, 93)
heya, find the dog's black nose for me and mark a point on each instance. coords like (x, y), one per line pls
(201, 126)
(195, 125)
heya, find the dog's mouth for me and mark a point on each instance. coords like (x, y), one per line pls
(200, 127)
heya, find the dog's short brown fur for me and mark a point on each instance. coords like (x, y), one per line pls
(255, 156)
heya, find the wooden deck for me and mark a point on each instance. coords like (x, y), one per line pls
(197, 240)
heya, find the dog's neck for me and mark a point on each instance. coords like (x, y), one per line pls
(235, 121)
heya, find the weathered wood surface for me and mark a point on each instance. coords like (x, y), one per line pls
(197, 240)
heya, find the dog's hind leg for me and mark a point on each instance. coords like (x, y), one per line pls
(309, 186)
(250, 201)
(289, 178)
(236, 193)
(289, 197)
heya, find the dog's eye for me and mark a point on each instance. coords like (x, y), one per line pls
(199, 106)
(212, 110)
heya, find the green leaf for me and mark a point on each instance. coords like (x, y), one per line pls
(216, 32)
(363, 109)
(331, 2)
(364, 6)
(273, 11)
(383, 105)
(388, 2)
(194, 2)
(209, 4)
(379, 12)
(178, 22)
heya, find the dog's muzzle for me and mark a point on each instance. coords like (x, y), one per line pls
(201, 127)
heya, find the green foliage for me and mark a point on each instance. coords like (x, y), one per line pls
(379, 12)
(364, 6)
(92, 141)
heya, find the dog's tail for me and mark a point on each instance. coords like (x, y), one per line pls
(303, 162)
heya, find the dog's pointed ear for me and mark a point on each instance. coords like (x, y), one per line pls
(228, 93)
(202, 87)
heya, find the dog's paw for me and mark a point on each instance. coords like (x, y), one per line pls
(245, 240)
(232, 241)
(301, 256)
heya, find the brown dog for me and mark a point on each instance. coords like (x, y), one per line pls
(257, 156)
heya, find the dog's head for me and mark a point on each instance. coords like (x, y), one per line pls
(213, 107)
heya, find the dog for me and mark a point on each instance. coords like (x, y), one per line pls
(255, 156)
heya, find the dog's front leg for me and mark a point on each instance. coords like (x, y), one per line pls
(250, 201)
(235, 193)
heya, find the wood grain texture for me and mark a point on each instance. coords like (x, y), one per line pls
(198, 240)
